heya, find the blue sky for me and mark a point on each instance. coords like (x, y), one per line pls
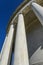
(7, 7)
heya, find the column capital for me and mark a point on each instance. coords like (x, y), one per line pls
(12, 24)
(21, 14)
(33, 1)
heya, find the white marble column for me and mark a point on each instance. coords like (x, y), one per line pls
(6, 56)
(21, 53)
(4, 44)
(0, 56)
(38, 10)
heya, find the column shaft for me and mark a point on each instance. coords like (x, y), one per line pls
(21, 53)
(38, 10)
(4, 44)
(0, 57)
(6, 56)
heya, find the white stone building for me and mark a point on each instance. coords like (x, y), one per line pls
(24, 37)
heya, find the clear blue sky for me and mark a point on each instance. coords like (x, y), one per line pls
(7, 7)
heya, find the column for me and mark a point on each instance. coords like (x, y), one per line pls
(0, 56)
(21, 53)
(4, 44)
(38, 10)
(6, 56)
